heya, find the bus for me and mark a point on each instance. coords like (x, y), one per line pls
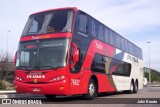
(66, 51)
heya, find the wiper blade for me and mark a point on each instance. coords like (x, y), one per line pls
(45, 67)
(52, 67)
(56, 67)
(26, 68)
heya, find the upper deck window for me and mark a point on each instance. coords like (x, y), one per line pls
(50, 22)
(82, 23)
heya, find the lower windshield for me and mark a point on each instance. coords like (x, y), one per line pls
(42, 54)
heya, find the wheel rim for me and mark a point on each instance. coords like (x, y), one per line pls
(131, 87)
(91, 89)
(136, 87)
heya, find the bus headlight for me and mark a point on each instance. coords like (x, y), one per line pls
(59, 78)
(18, 78)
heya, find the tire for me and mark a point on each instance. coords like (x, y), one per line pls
(131, 88)
(135, 87)
(92, 90)
(50, 97)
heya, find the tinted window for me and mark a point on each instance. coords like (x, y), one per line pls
(98, 65)
(120, 68)
(103, 64)
(118, 41)
(127, 69)
(93, 27)
(106, 35)
(123, 44)
(83, 23)
(111, 37)
(100, 32)
(49, 22)
(131, 48)
(126, 45)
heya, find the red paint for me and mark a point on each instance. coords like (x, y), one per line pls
(46, 36)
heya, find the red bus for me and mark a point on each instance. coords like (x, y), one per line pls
(65, 51)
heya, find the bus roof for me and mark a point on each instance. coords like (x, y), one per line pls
(49, 10)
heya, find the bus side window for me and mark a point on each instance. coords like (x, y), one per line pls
(106, 35)
(100, 32)
(83, 23)
(127, 69)
(93, 27)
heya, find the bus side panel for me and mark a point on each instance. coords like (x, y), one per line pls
(86, 72)
(105, 83)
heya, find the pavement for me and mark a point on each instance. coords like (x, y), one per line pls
(12, 93)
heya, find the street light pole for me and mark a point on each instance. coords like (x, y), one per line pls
(149, 63)
(7, 43)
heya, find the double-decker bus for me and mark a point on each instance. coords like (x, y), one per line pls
(65, 51)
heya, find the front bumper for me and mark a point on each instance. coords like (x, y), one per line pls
(56, 88)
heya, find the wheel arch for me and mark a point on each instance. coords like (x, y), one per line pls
(94, 77)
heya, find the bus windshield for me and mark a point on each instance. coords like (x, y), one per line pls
(42, 54)
(52, 22)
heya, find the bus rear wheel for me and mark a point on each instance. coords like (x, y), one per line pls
(92, 90)
(135, 87)
(50, 97)
(131, 88)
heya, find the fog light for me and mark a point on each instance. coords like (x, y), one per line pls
(61, 88)
(15, 86)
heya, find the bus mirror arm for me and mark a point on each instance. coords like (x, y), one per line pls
(75, 55)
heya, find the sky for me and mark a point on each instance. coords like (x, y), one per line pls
(136, 20)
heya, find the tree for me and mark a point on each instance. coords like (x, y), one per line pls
(6, 70)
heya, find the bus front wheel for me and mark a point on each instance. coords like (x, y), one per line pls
(92, 90)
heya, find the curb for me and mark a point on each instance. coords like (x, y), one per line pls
(8, 92)
(18, 95)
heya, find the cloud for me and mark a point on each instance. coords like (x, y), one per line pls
(132, 16)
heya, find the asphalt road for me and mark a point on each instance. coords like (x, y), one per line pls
(147, 97)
